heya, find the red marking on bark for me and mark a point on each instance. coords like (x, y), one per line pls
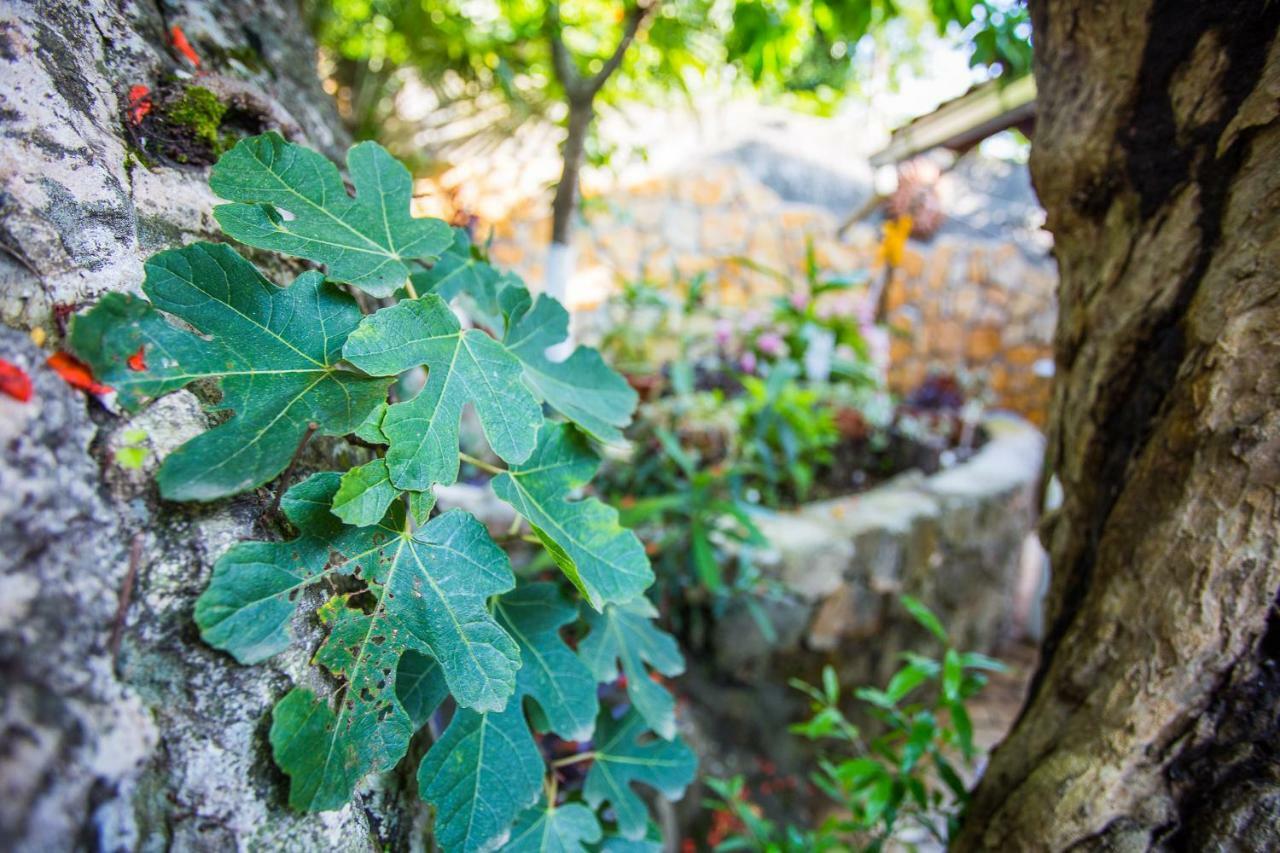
(138, 361)
(139, 102)
(14, 381)
(184, 47)
(61, 311)
(76, 373)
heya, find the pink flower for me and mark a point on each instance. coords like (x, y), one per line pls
(799, 301)
(748, 362)
(724, 333)
(771, 344)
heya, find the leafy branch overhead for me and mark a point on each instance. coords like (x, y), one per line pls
(421, 610)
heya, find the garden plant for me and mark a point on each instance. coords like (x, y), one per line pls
(422, 608)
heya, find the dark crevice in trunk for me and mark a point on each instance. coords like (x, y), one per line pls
(1229, 784)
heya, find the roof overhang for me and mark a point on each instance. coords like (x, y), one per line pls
(964, 122)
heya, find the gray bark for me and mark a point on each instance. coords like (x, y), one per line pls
(1152, 722)
(162, 745)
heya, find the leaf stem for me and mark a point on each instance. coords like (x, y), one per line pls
(410, 289)
(283, 485)
(480, 463)
(574, 759)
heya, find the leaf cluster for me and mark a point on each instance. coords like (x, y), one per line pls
(422, 610)
(906, 775)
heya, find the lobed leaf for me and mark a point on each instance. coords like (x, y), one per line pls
(253, 594)
(428, 595)
(554, 829)
(482, 772)
(364, 241)
(622, 758)
(626, 632)
(274, 352)
(551, 674)
(605, 561)
(582, 387)
(464, 366)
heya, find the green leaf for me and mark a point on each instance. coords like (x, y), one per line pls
(952, 673)
(951, 778)
(550, 829)
(705, 564)
(253, 593)
(427, 594)
(925, 617)
(420, 505)
(626, 632)
(371, 429)
(365, 494)
(274, 350)
(364, 241)
(624, 757)
(923, 728)
(480, 775)
(420, 686)
(459, 272)
(650, 842)
(857, 773)
(551, 674)
(830, 684)
(605, 561)
(464, 366)
(904, 681)
(964, 728)
(582, 387)
(973, 660)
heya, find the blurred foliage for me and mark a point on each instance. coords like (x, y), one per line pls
(904, 777)
(788, 434)
(495, 55)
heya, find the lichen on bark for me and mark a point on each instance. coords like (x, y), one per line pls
(163, 744)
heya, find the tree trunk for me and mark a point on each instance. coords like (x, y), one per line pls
(560, 259)
(119, 729)
(566, 198)
(1154, 719)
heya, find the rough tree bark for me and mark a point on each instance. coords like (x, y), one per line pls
(1154, 720)
(119, 729)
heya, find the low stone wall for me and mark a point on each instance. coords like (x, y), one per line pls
(954, 540)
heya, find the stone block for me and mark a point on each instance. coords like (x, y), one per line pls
(983, 343)
(725, 232)
(749, 634)
(946, 339)
(851, 612)
(966, 302)
(1025, 355)
(805, 555)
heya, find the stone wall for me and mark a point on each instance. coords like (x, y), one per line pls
(981, 307)
(954, 540)
(119, 729)
(984, 308)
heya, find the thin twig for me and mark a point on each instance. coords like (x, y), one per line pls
(574, 759)
(283, 485)
(126, 596)
(480, 463)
